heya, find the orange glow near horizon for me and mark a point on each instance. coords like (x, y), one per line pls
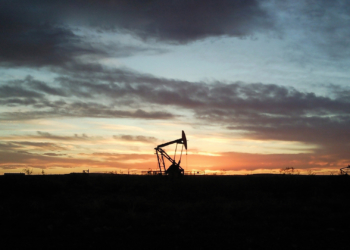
(226, 163)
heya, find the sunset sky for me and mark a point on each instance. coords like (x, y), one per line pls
(257, 86)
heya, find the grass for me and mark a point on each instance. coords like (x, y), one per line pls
(246, 212)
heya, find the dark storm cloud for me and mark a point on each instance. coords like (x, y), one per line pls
(139, 138)
(38, 33)
(28, 40)
(178, 21)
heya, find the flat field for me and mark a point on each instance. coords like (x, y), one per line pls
(133, 212)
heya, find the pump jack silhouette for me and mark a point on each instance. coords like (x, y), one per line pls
(345, 171)
(174, 169)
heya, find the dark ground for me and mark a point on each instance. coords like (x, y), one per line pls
(145, 212)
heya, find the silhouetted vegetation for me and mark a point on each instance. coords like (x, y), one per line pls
(28, 171)
(283, 211)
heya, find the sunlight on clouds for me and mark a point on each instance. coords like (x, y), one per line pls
(204, 153)
(222, 144)
(112, 62)
(273, 147)
(119, 127)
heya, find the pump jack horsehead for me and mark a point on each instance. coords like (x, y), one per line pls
(174, 169)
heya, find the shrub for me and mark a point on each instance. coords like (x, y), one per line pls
(28, 171)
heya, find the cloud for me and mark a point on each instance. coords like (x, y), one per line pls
(179, 21)
(122, 157)
(138, 138)
(62, 100)
(76, 137)
(43, 87)
(31, 159)
(8, 146)
(86, 112)
(52, 109)
(12, 166)
(228, 98)
(17, 91)
(322, 24)
(39, 145)
(39, 34)
(53, 154)
(263, 111)
(49, 34)
(48, 136)
(24, 146)
(330, 21)
(29, 41)
(20, 160)
(13, 102)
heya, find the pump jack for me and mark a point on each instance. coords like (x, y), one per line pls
(344, 171)
(174, 169)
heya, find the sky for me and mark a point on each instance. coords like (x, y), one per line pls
(257, 85)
